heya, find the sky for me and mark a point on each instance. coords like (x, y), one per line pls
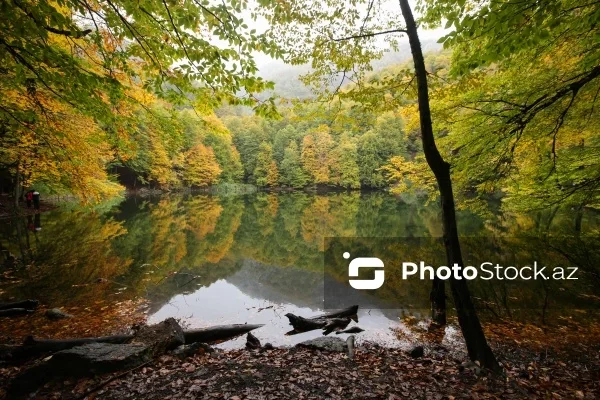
(390, 7)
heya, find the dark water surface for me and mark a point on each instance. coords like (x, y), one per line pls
(210, 259)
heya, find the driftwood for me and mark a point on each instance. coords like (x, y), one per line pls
(26, 304)
(328, 321)
(32, 347)
(351, 312)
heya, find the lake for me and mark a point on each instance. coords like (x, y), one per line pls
(220, 259)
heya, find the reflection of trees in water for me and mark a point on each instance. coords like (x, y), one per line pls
(63, 261)
(173, 244)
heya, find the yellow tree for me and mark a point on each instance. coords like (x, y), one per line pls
(316, 154)
(201, 167)
(272, 174)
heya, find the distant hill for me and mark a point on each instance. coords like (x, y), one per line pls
(288, 84)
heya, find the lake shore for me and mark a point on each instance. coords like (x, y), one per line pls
(375, 372)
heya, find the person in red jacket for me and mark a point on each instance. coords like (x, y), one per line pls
(29, 198)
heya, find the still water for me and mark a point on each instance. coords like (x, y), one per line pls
(220, 259)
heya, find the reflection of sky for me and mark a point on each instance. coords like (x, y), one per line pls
(223, 303)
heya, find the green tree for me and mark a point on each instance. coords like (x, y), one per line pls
(344, 169)
(291, 172)
(282, 139)
(247, 134)
(377, 146)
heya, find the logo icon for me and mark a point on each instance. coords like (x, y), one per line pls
(365, 262)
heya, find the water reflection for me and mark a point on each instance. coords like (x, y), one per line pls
(221, 259)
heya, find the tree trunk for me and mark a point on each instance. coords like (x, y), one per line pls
(438, 301)
(17, 187)
(467, 317)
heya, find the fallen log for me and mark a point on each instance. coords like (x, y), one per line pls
(12, 312)
(351, 312)
(333, 320)
(32, 346)
(93, 356)
(218, 333)
(26, 304)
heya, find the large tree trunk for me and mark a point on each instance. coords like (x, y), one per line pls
(467, 317)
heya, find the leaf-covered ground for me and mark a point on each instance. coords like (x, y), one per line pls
(376, 372)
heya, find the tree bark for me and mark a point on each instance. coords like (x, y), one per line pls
(17, 187)
(477, 346)
(33, 347)
(438, 302)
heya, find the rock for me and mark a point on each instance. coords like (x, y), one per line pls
(268, 346)
(252, 342)
(470, 366)
(56, 314)
(89, 359)
(188, 350)
(333, 344)
(166, 335)
(416, 352)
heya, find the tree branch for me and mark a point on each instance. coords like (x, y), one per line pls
(367, 35)
(76, 35)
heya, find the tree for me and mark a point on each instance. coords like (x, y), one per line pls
(291, 172)
(377, 146)
(265, 173)
(89, 60)
(282, 139)
(248, 133)
(219, 139)
(200, 166)
(344, 169)
(316, 157)
(339, 51)
(527, 77)
(467, 317)
(272, 174)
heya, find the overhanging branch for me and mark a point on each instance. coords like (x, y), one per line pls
(368, 35)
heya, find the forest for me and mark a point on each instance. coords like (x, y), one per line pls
(226, 141)
(89, 113)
